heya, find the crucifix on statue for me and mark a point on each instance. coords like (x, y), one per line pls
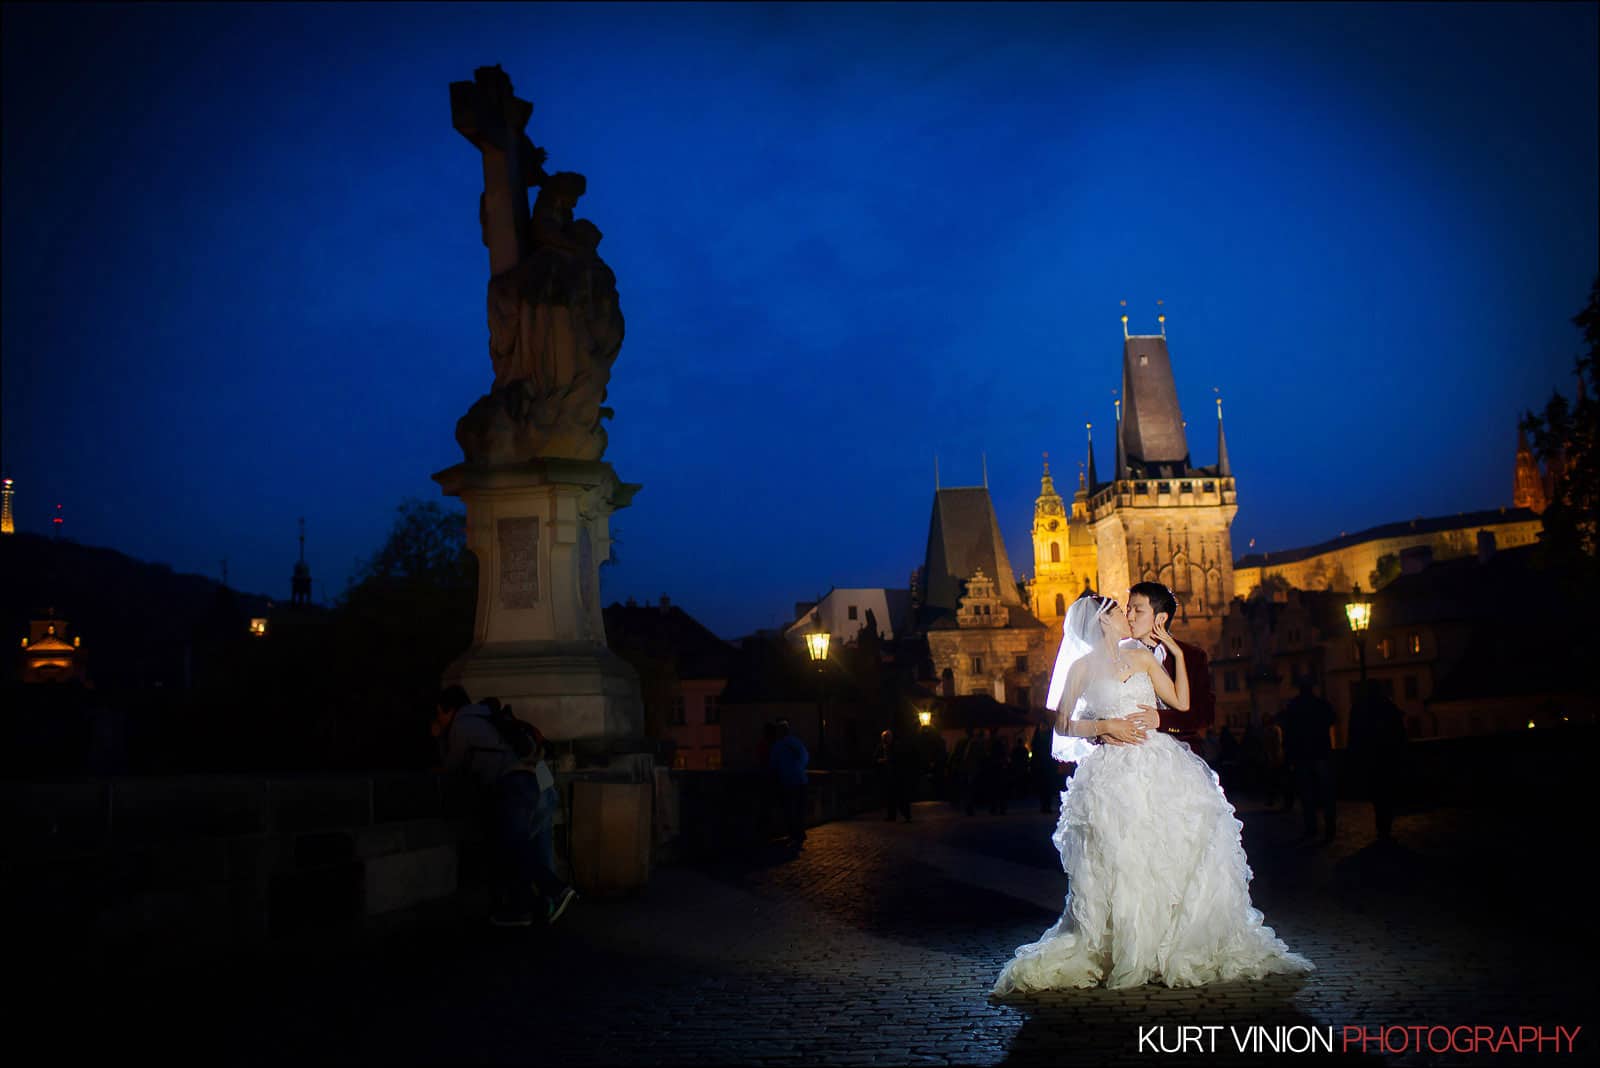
(486, 112)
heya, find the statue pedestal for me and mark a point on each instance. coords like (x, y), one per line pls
(540, 530)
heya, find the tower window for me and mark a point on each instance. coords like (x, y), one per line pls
(977, 665)
(852, 611)
(1022, 664)
(1144, 361)
(1061, 605)
(1055, 552)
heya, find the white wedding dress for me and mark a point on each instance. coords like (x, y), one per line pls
(1158, 884)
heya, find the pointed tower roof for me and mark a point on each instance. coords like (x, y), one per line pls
(963, 536)
(1152, 424)
(1049, 502)
(1224, 469)
(1094, 479)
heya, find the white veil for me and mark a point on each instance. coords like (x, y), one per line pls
(1082, 638)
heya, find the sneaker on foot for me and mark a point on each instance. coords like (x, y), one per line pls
(559, 905)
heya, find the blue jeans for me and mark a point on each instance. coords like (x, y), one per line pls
(527, 840)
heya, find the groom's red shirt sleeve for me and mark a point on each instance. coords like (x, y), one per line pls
(1202, 701)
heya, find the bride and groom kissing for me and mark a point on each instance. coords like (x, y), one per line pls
(1158, 883)
(1150, 609)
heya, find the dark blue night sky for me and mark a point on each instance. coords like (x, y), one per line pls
(243, 279)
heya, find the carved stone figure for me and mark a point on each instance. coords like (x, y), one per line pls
(555, 321)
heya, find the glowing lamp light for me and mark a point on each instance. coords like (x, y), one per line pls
(1358, 612)
(1530, 724)
(925, 717)
(817, 646)
(258, 627)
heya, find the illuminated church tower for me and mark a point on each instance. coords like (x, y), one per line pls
(7, 526)
(1160, 518)
(1527, 491)
(1063, 547)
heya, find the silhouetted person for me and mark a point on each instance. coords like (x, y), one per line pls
(1308, 746)
(956, 770)
(895, 764)
(1274, 768)
(997, 775)
(1042, 766)
(525, 799)
(974, 767)
(1017, 768)
(789, 760)
(1377, 747)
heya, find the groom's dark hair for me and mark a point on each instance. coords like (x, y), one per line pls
(1160, 598)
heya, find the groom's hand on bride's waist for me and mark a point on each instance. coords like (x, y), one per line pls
(1122, 732)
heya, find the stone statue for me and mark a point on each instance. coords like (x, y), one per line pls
(555, 322)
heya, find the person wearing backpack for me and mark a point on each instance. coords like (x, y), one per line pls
(503, 754)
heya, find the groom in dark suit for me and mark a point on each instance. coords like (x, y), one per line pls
(1149, 603)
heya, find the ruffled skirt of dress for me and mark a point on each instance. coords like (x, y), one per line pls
(1158, 884)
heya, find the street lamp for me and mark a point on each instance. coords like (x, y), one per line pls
(1359, 613)
(925, 717)
(817, 648)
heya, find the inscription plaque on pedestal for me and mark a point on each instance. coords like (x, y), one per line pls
(519, 561)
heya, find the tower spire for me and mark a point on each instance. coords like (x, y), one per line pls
(984, 458)
(936, 472)
(1161, 317)
(300, 581)
(7, 524)
(1094, 479)
(1122, 459)
(1224, 469)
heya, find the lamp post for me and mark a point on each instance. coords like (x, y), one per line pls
(817, 649)
(1359, 613)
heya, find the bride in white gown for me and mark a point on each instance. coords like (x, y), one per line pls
(1158, 884)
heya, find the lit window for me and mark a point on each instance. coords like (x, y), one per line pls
(1385, 648)
(258, 627)
(1414, 643)
(714, 760)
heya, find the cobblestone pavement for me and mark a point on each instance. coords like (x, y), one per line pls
(878, 942)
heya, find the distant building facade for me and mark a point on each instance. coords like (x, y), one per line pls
(981, 637)
(844, 611)
(1350, 559)
(51, 654)
(683, 670)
